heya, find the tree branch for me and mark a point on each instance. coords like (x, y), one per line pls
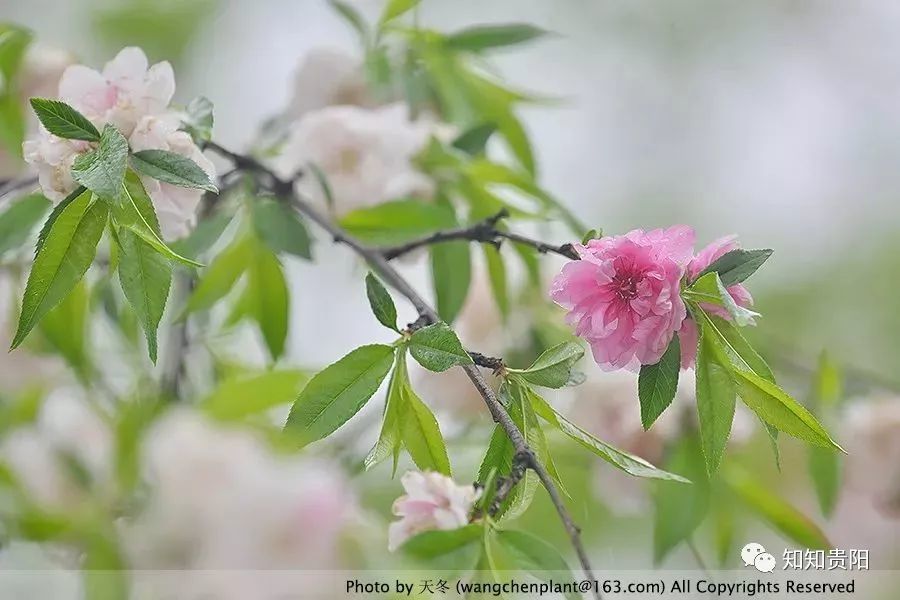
(379, 262)
(486, 232)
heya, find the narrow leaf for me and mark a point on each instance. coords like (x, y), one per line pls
(281, 228)
(553, 368)
(497, 276)
(381, 303)
(679, 509)
(396, 8)
(61, 119)
(173, 168)
(396, 222)
(473, 141)
(431, 544)
(716, 398)
(484, 37)
(737, 265)
(658, 383)
(422, 435)
(437, 348)
(390, 439)
(19, 220)
(338, 392)
(238, 398)
(221, 275)
(266, 299)
(534, 555)
(451, 273)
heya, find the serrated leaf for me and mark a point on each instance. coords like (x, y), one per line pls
(172, 168)
(390, 438)
(241, 397)
(716, 399)
(658, 384)
(782, 516)
(146, 277)
(633, 465)
(54, 214)
(553, 368)
(338, 392)
(485, 37)
(64, 121)
(65, 256)
(422, 434)
(103, 170)
(437, 348)
(281, 228)
(451, 274)
(19, 220)
(737, 265)
(381, 303)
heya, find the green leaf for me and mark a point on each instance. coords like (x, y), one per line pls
(828, 387)
(437, 348)
(61, 119)
(633, 465)
(199, 120)
(534, 555)
(497, 275)
(737, 265)
(553, 368)
(396, 8)
(281, 228)
(390, 439)
(352, 16)
(422, 435)
(137, 214)
(103, 170)
(679, 509)
(204, 236)
(338, 392)
(173, 168)
(238, 398)
(775, 511)
(474, 140)
(658, 383)
(431, 544)
(14, 41)
(485, 37)
(66, 327)
(67, 252)
(146, 277)
(777, 408)
(716, 397)
(396, 222)
(740, 353)
(825, 471)
(451, 273)
(266, 299)
(381, 303)
(709, 289)
(54, 214)
(19, 220)
(221, 275)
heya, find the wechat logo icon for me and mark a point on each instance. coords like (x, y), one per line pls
(755, 555)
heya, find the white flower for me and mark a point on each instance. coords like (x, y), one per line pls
(126, 91)
(327, 77)
(176, 206)
(53, 158)
(365, 154)
(219, 498)
(432, 501)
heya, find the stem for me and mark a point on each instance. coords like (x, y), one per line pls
(9, 187)
(379, 262)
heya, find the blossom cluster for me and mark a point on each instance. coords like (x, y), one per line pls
(135, 97)
(624, 295)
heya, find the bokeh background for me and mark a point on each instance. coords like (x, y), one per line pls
(776, 121)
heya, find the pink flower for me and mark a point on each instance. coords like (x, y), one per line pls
(432, 501)
(623, 296)
(126, 90)
(688, 335)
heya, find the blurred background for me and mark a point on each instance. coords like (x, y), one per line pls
(775, 121)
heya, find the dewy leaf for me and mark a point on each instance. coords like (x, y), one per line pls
(61, 119)
(396, 8)
(737, 265)
(281, 228)
(422, 435)
(173, 168)
(553, 368)
(633, 465)
(338, 392)
(484, 37)
(451, 273)
(437, 348)
(146, 277)
(103, 170)
(396, 222)
(19, 220)
(221, 275)
(68, 251)
(382, 305)
(716, 398)
(776, 407)
(658, 383)
(238, 398)
(781, 515)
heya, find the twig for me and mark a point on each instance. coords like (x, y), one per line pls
(7, 188)
(486, 232)
(380, 263)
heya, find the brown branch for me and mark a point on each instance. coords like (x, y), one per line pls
(486, 232)
(380, 263)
